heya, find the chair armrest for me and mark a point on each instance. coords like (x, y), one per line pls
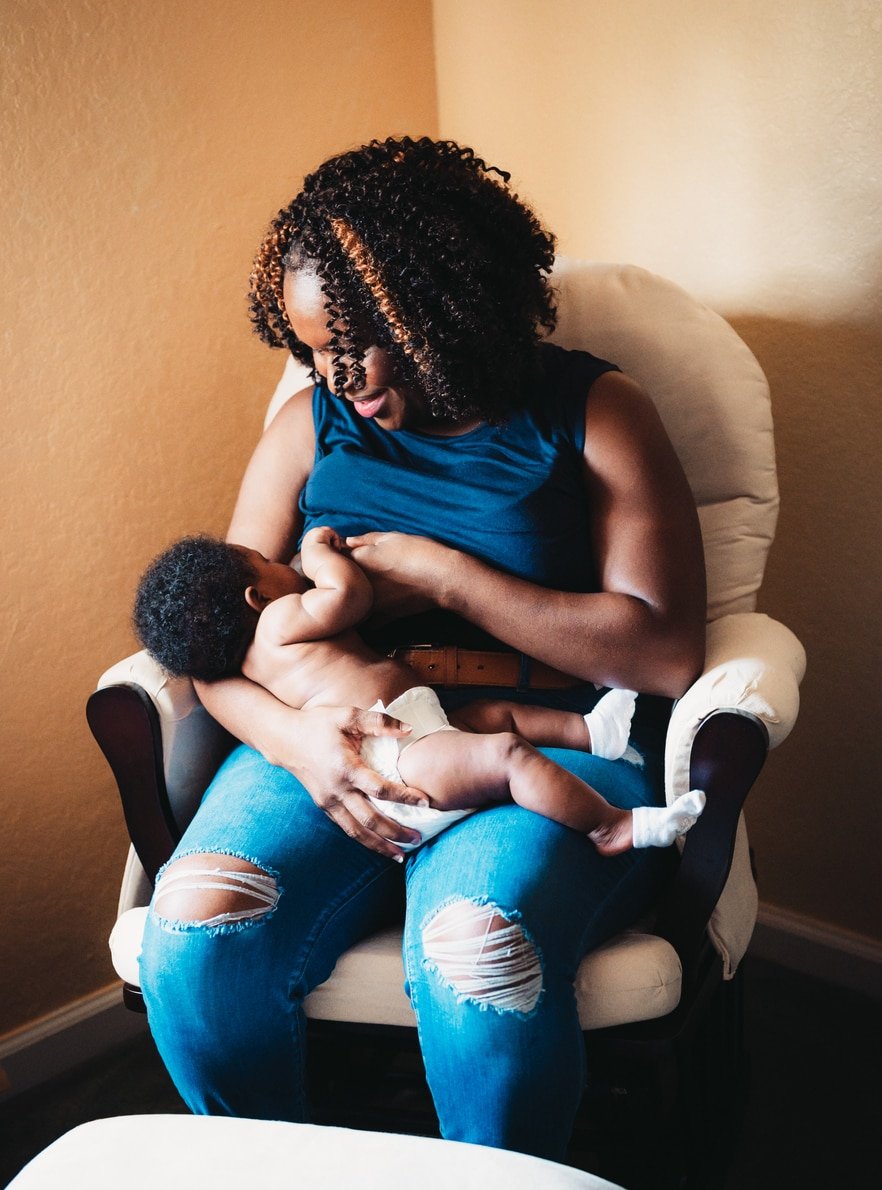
(746, 701)
(729, 750)
(753, 667)
(163, 748)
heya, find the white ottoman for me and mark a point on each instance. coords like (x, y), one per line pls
(212, 1153)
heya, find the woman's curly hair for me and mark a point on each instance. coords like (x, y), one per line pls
(422, 251)
(190, 611)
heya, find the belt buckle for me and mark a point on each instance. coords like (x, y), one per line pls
(424, 648)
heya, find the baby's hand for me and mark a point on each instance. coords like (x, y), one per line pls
(322, 535)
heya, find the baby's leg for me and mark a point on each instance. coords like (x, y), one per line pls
(659, 826)
(609, 723)
(459, 770)
(603, 731)
(545, 727)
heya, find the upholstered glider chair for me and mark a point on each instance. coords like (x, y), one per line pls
(659, 1004)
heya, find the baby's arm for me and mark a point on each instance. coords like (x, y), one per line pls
(340, 598)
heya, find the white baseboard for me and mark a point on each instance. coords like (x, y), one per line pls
(55, 1044)
(817, 948)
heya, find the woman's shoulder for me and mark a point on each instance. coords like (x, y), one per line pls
(567, 378)
(290, 436)
(294, 410)
(571, 370)
(623, 425)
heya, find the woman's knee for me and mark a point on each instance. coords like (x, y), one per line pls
(483, 956)
(212, 890)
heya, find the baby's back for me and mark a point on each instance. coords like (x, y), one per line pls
(337, 671)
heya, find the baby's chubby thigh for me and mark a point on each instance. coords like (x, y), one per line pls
(459, 770)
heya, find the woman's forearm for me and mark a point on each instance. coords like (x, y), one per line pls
(252, 715)
(610, 638)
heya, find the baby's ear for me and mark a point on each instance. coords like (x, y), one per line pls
(255, 600)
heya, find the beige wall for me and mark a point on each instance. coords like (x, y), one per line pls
(145, 146)
(734, 147)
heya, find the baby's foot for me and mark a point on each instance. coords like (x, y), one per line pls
(609, 724)
(614, 836)
(658, 826)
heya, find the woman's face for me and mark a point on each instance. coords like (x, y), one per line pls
(383, 398)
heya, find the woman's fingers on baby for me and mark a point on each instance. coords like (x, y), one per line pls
(370, 784)
(358, 777)
(379, 723)
(375, 550)
(350, 824)
(364, 823)
(389, 791)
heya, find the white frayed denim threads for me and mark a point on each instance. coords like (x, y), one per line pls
(483, 956)
(258, 888)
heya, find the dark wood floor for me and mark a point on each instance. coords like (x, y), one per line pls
(813, 1115)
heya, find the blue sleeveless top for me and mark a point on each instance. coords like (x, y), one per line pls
(512, 495)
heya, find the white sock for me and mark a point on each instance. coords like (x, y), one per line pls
(658, 826)
(609, 724)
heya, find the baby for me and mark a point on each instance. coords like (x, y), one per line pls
(207, 610)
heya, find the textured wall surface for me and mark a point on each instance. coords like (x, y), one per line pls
(734, 147)
(145, 148)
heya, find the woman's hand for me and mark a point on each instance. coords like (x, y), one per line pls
(405, 572)
(328, 762)
(321, 747)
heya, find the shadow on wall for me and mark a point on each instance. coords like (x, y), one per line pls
(816, 822)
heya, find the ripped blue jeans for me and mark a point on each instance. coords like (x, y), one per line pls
(500, 909)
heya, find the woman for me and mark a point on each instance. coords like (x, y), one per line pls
(508, 497)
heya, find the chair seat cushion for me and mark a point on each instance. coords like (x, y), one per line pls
(188, 1152)
(633, 977)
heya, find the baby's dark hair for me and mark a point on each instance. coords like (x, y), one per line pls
(422, 251)
(190, 611)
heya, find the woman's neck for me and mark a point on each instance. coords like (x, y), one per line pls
(448, 429)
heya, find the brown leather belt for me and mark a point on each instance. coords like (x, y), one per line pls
(448, 665)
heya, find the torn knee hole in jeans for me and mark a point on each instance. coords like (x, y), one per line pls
(483, 956)
(213, 891)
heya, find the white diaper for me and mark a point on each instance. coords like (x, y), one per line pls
(419, 707)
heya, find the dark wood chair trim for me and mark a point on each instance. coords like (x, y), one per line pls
(133, 998)
(728, 753)
(126, 725)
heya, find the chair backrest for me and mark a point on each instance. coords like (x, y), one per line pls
(714, 401)
(711, 394)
